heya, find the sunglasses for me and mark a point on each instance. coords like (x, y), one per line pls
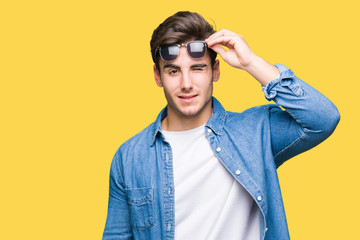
(195, 49)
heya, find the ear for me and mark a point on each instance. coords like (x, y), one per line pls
(157, 77)
(216, 71)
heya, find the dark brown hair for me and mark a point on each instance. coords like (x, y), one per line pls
(179, 28)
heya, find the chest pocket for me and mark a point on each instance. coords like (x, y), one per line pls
(140, 201)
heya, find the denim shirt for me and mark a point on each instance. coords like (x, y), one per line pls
(251, 145)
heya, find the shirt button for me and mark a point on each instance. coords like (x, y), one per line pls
(266, 229)
(169, 227)
(237, 172)
(218, 149)
(259, 198)
(169, 190)
(167, 157)
(209, 130)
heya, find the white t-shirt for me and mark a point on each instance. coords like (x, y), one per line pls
(209, 203)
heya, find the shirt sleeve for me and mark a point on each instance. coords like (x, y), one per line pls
(308, 117)
(117, 225)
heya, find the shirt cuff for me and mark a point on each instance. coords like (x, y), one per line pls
(286, 79)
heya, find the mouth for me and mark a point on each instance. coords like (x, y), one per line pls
(187, 98)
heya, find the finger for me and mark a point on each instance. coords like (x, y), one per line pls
(219, 49)
(227, 41)
(222, 32)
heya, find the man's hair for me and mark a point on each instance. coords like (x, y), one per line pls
(180, 28)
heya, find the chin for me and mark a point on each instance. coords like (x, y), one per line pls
(189, 113)
(192, 113)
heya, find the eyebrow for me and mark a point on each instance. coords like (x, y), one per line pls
(169, 65)
(200, 65)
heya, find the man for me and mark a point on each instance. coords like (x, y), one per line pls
(198, 171)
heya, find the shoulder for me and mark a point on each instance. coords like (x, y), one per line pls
(253, 121)
(257, 113)
(137, 143)
(144, 137)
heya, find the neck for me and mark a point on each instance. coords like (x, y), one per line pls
(179, 122)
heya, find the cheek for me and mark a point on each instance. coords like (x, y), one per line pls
(205, 83)
(169, 87)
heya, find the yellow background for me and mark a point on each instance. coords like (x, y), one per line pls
(76, 82)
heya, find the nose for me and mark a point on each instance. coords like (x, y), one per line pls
(186, 82)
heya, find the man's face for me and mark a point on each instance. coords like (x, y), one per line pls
(188, 85)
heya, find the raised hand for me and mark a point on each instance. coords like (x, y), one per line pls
(238, 54)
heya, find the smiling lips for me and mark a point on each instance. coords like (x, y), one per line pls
(187, 98)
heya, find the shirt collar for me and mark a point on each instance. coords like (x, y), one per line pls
(217, 120)
(215, 123)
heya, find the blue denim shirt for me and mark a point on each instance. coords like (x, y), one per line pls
(251, 145)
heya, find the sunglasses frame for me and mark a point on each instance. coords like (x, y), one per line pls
(158, 49)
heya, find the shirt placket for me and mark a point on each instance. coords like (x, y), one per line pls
(169, 196)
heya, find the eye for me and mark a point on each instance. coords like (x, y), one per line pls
(173, 71)
(199, 67)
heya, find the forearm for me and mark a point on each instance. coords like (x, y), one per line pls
(118, 219)
(306, 105)
(308, 119)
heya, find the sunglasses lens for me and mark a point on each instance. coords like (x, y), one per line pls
(196, 49)
(169, 53)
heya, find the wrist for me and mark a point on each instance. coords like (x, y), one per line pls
(262, 71)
